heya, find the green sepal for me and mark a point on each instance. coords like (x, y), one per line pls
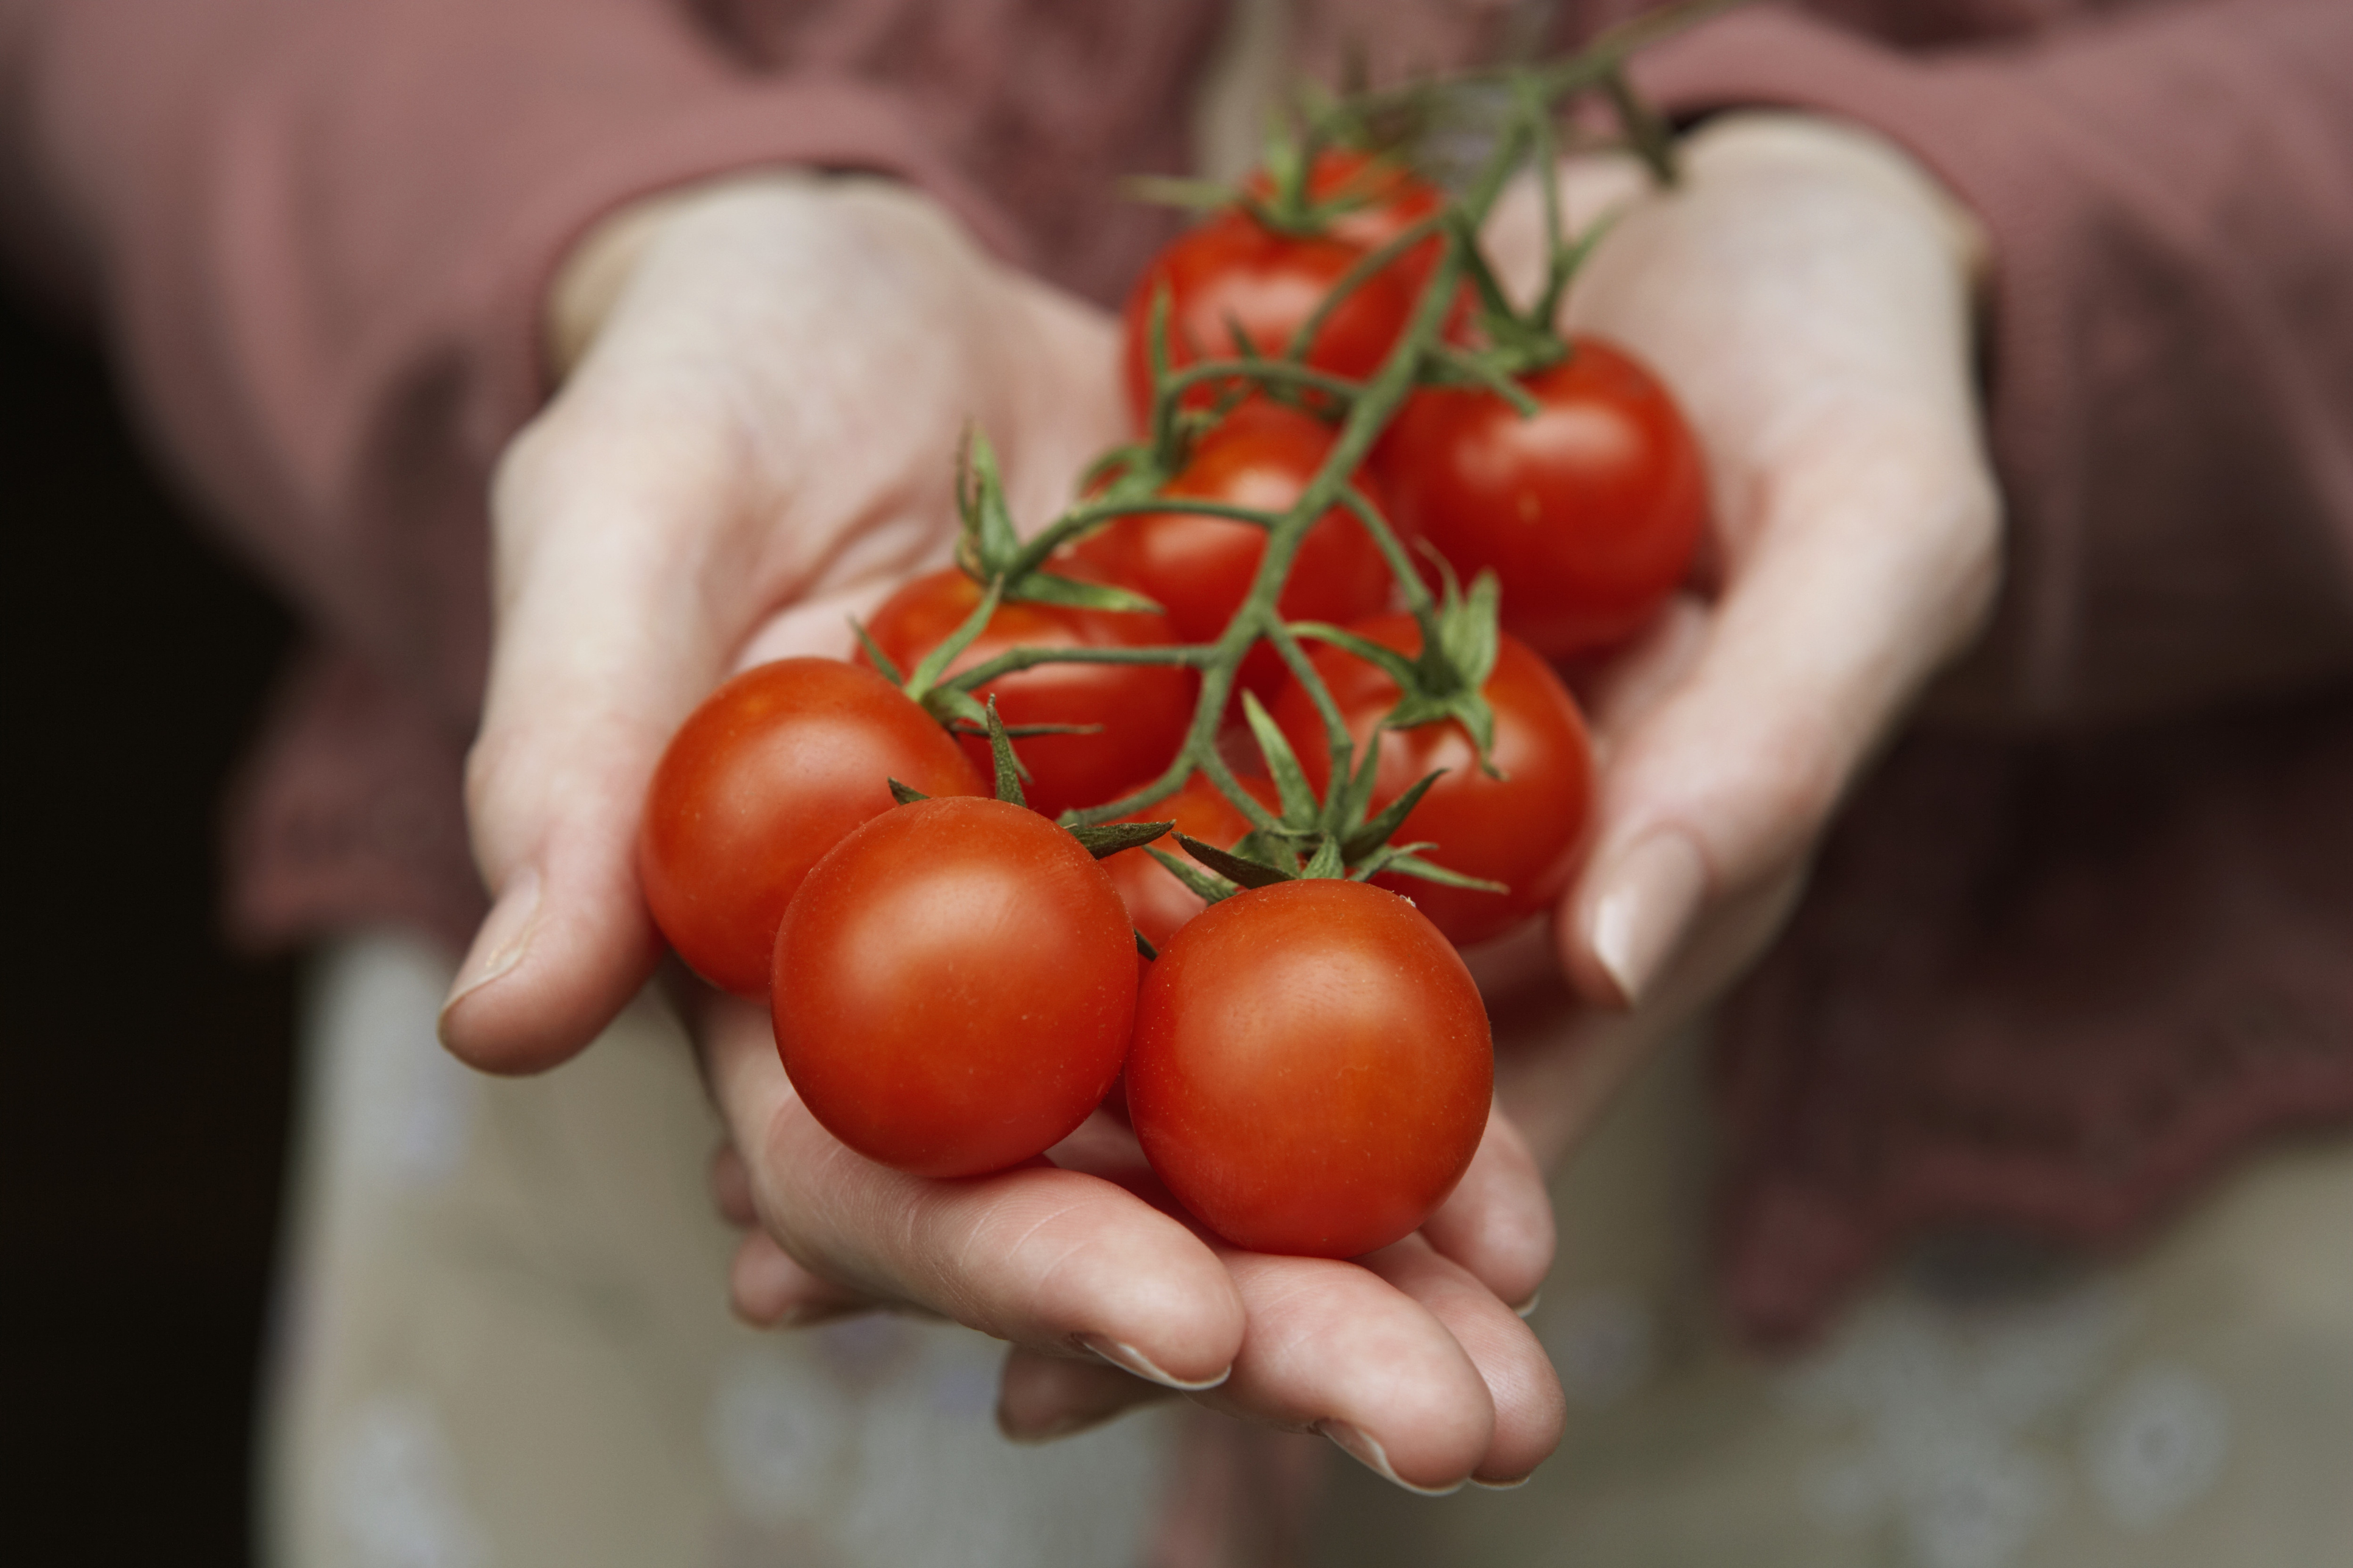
(1272, 847)
(989, 548)
(1109, 838)
(1327, 862)
(925, 678)
(979, 727)
(1403, 862)
(956, 709)
(1232, 866)
(883, 664)
(1008, 767)
(1449, 676)
(1391, 663)
(906, 794)
(1359, 796)
(1297, 797)
(1208, 887)
(1374, 833)
(1046, 588)
(1142, 946)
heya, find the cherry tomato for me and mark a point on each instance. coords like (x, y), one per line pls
(774, 769)
(1233, 270)
(1524, 829)
(1158, 902)
(1199, 568)
(1143, 708)
(1588, 512)
(955, 987)
(1311, 1069)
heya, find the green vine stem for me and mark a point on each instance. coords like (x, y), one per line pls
(1518, 341)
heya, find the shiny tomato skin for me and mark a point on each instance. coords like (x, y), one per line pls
(955, 987)
(1143, 708)
(1311, 1069)
(1526, 829)
(1261, 455)
(774, 769)
(1589, 513)
(1234, 269)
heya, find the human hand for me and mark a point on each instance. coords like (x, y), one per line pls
(773, 376)
(1806, 292)
(1408, 1359)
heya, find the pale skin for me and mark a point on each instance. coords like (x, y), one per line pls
(766, 378)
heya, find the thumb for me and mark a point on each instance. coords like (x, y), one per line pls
(1869, 570)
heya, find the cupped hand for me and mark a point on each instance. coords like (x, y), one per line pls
(1806, 293)
(1408, 1359)
(773, 376)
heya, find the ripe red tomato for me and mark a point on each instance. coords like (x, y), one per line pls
(955, 987)
(1158, 902)
(1199, 568)
(1143, 708)
(1311, 1069)
(1588, 512)
(1526, 829)
(1234, 271)
(773, 770)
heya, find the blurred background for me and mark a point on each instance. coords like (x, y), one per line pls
(148, 1067)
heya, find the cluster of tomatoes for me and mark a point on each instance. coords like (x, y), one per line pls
(958, 978)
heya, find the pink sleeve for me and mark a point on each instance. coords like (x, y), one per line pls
(319, 236)
(2170, 194)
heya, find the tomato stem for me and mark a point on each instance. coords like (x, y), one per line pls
(1457, 650)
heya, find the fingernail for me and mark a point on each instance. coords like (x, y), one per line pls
(500, 945)
(1647, 898)
(1362, 1448)
(1501, 1486)
(1527, 1309)
(1127, 1358)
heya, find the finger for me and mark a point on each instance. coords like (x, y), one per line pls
(769, 1289)
(1497, 1223)
(1042, 1397)
(604, 641)
(1053, 1259)
(1529, 1408)
(1335, 1349)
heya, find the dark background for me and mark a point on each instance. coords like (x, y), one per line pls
(148, 1068)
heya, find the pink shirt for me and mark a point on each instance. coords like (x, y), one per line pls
(2049, 974)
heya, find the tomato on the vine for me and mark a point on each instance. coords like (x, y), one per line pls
(1524, 829)
(774, 769)
(1233, 271)
(1311, 1069)
(1142, 709)
(955, 987)
(1588, 512)
(1261, 455)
